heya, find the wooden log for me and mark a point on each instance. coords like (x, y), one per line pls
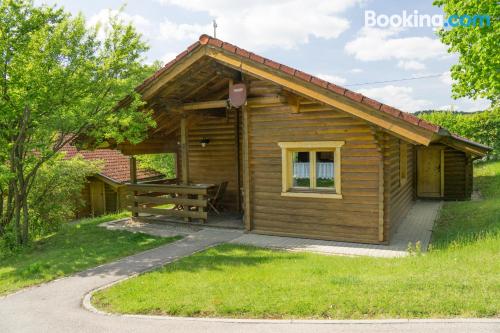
(246, 169)
(184, 151)
(170, 212)
(167, 189)
(166, 200)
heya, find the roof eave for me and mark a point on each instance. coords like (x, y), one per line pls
(385, 120)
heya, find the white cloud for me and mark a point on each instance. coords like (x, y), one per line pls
(470, 105)
(356, 70)
(332, 78)
(383, 44)
(171, 30)
(446, 78)
(167, 57)
(448, 107)
(143, 25)
(411, 65)
(399, 97)
(263, 24)
(466, 105)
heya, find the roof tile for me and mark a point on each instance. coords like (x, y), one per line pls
(215, 42)
(302, 75)
(181, 55)
(410, 118)
(353, 95)
(288, 70)
(116, 165)
(371, 102)
(319, 82)
(229, 47)
(242, 52)
(271, 63)
(336, 89)
(256, 57)
(390, 110)
(428, 126)
(193, 46)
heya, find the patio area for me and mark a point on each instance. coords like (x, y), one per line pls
(226, 220)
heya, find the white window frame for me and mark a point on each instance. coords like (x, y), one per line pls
(287, 148)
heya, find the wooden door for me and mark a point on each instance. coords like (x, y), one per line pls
(97, 198)
(430, 172)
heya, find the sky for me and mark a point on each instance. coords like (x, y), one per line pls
(326, 38)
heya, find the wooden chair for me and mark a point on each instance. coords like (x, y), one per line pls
(214, 201)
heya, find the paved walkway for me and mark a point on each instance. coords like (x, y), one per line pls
(417, 226)
(56, 306)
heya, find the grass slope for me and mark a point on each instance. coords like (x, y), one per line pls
(74, 248)
(459, 277)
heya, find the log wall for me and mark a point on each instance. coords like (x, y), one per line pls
(399, 196)
(355, 217)
(216, 162)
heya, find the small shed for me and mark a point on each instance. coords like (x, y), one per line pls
(301, 156)
(105, 192)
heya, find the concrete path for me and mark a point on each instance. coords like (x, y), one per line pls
(416, 227)
(57, 306)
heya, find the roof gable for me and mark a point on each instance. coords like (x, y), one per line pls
(391, 119)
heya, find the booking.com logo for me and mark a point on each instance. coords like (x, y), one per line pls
(416, 20)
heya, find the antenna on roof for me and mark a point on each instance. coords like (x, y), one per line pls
(214, 23)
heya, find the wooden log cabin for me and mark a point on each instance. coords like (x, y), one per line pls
(301, 156)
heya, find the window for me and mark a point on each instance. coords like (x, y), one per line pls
(311, 169)
(403, 162)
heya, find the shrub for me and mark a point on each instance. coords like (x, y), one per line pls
(57, 192)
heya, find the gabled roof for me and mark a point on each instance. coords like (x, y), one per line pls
(434, 132)
(116, 165)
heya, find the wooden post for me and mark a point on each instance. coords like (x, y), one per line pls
(381, 144)
(381, 193)
(200, 208)
(442, 166)
(184, 158)
(237, 159)
(133, 180)
(246, 168)
(237, 152)
(184, 151)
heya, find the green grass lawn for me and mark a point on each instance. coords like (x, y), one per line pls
(74, 248)
(459, 277)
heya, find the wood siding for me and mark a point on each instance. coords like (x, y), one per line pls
(398, 196)
(115, 199)
(111, 199)
(355, 217)
(84, 209)
(457, 175)
(216, 162)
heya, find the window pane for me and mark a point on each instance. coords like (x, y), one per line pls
(324, 169)
(301, 166)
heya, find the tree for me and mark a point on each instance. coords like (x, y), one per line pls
(162, 163)
(60, 80)
(477, 73)
(483, 127)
